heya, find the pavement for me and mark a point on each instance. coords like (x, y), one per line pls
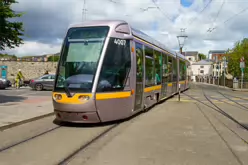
(176, 133)
(22, 105)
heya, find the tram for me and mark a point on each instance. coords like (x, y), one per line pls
(109, 71)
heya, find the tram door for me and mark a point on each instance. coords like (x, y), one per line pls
(139, 77)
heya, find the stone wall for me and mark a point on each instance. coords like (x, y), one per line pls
(29, 69)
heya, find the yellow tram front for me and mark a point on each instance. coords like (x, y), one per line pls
(91, 77)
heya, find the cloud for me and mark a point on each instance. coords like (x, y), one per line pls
(46, 22)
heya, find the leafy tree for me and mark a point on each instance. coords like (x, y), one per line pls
(240, 50)
(202, 56)
(55, 58)
(10, 32)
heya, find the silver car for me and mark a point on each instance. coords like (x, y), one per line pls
(43, 82)
(4, 83)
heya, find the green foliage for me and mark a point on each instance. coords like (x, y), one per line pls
(53, 58)
(8, 56)
(240, 50)
(202, 56)
(10, 32)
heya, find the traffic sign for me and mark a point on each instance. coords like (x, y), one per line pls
(242, 64)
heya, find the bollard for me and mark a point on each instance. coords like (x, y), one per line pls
(179, 85)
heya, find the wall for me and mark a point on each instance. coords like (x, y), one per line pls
(29, 69)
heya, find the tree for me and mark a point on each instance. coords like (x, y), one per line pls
(10, 32)
(202, 56)
(53, 58)
(240, 50)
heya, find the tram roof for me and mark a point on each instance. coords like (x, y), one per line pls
(135, 32)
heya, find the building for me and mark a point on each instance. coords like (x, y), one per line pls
(216, 55)
(203, 68)
(219, 64)
(192, 56)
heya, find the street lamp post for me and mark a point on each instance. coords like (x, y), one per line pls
(181, 39)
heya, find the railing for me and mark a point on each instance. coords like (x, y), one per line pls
(235, 84)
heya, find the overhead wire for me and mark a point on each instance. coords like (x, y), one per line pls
(230, 18)
(165, 14)
(192, 20)
(219, 10)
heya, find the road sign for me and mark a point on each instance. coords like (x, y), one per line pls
(242, 64)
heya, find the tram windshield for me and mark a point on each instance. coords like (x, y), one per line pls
(79, 58)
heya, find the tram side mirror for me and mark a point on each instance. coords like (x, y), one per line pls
(127, 37)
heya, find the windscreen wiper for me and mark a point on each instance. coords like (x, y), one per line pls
(67, 91)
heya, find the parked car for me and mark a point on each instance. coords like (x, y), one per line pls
(4, 83)
(43, 82)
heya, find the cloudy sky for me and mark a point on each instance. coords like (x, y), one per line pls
(46, 21)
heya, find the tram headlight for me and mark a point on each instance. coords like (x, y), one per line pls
(57, 96)
(83, 97)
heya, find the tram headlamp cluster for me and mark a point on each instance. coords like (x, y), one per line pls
(83, 97)
(58, 96)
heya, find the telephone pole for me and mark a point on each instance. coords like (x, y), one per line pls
(84, 11)
(181, 39)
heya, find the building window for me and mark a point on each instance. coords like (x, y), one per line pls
(202, 71)
(189, 59)
(202, 66)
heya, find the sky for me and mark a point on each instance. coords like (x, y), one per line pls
(46, 21)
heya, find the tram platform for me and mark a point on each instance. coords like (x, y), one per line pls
(174, 133)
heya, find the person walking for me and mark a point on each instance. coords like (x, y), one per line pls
(18, 79)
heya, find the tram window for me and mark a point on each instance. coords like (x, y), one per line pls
(158, 67)
(182, 70)
(149, 62)
(174, 79)
(165, 68)
(169, 69)
(139, 64)
(116, 66)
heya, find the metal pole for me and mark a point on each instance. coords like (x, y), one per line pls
(179, 85)
(242, 77)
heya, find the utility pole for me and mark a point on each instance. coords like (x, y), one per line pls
(181, 39)
(84, 11)
(224, 59)
(242, 66)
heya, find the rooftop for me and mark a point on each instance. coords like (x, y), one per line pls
(216, 51)
(190, 53)
(203, 62)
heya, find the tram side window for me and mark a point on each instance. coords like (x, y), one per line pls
(149, 60)
(169, 69)
(164, 68)
(116, 66)
(158, 67)
(139, 65)
(182, 70)
(174, 79)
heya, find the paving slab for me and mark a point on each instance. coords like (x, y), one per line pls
(173, 133)
(16, 111)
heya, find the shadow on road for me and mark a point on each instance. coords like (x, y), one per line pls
(9, 99)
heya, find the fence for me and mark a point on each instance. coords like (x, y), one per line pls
(221, 82)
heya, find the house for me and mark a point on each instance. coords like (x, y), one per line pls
(202, 68)
(219, 64)
(216, 55)
(192, 56)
